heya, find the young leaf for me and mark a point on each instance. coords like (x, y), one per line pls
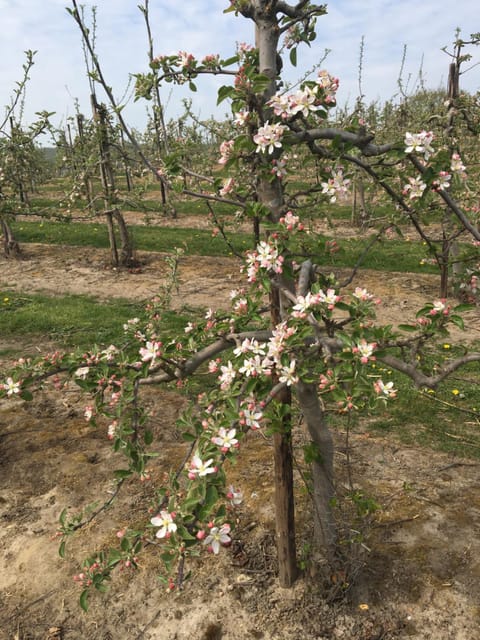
(407, 327)
(84, 600)
(293, 56)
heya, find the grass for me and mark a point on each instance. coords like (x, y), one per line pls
(146, 238)
(71, 321)
(391, 255)
(74, 320)
(447, 419)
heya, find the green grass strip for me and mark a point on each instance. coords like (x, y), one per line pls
(392, 255)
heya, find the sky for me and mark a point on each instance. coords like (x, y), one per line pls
(58, 79)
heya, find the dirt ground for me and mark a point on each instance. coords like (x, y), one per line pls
(419, 571)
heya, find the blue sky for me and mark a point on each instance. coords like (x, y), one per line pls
(200, 27)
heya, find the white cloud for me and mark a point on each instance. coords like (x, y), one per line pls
(201, 27)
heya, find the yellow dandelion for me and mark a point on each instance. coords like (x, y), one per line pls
(446, 346)
(455, 392)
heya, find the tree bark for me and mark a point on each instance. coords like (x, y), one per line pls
(11, 247)
(322, 468)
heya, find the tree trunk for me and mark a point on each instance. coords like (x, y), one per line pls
(11, 247)
(322, 469)
(112, 240)
(127, 258)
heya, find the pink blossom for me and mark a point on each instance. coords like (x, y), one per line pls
(415, 188)
(419, 143)
(336, 186)
(228, 187)
(329, 84)
(385, 390)
(439, 306)
(150, 351)
(268, 138)
(112, 430)
(11, 387)
(226, 150)
(251, 418)
(185, 59)
(456, 165)
(213, 366)
(227, 376)
(362, 294)
(82, 372)
(235, 496)
(165, 521)
(288, 374)
(330, 298)
(200, 468)
(225, 439)
(218, 537)
(442, 182)
(365, 350)
(241, 118)
(290, 221)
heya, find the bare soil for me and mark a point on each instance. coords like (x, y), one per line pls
(418, 570)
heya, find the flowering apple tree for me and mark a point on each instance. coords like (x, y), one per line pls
(294, 339)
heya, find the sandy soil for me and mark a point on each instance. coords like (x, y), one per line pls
(419, 571)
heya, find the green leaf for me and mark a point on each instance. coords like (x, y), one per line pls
(192, 86)
(463, 307)
(61, 549)
(229, 61)
(223, 93)
(184, 533)
(458, 321)
(423, 312)
(407, 327)
(26, 395)
(84, 600)
(122, 473)
(148, 437)
(293, 56)
(125, 544)
(188, 437)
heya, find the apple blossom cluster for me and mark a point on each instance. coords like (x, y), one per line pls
(305, 304)
(442, 182)
(228, 186)
(269, 137)
(420, 143)
(226, 150)
(267, 257)
(336, 186)
(440, 307)
(456, 165)
(364, 350)
(291, 222)
(309, 99)
(329, 85)
(415, 188)
(304, 101)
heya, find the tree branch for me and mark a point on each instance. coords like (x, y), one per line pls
(422, 380)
